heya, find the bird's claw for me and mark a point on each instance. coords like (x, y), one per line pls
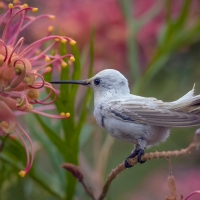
(126, 164)
(138, 153)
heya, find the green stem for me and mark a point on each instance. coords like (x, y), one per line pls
(132, 57)
(3, 142)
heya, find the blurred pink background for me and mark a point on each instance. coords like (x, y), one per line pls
(77, 18)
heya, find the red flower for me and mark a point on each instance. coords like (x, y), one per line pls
(21, 72)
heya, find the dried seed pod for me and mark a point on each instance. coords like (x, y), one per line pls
(74, 170)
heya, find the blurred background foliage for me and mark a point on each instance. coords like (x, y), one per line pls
(156, 45)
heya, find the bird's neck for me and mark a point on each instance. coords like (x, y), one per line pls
(104, 96)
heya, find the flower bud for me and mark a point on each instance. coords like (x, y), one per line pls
(19, 68)
(20, 102)
(29, 79)
(33, 94)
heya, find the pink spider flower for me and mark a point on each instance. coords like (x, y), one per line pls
(21, 72)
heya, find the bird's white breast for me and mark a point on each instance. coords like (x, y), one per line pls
(130, 131)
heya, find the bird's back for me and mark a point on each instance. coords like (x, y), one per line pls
(184, 112)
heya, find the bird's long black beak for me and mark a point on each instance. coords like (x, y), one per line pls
(84, 82)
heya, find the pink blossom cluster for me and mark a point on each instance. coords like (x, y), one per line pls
(22, 68)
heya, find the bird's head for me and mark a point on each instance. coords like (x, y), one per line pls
(108, 80)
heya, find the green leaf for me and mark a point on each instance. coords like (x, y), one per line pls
(55, 139)
(76, 75)
(183, 15)
(88, 95)
(50, 148)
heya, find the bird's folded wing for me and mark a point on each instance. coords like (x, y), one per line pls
(154, 114)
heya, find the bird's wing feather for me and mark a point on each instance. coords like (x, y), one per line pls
(153, 112)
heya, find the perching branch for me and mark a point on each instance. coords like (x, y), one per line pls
(76, 172)
(147, 156)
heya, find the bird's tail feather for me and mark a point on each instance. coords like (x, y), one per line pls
(188, 103)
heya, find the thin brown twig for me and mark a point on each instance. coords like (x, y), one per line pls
(87, 189)
(147, 156)
(77, 173)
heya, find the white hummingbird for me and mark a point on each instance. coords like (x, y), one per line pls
(139, 120)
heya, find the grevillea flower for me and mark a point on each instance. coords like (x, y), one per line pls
(21, 72)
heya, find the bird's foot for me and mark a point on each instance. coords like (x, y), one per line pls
(126, 164)
(138, 153)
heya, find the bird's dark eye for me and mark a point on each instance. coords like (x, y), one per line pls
(97, 81)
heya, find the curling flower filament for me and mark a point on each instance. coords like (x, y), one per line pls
(21, 72)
